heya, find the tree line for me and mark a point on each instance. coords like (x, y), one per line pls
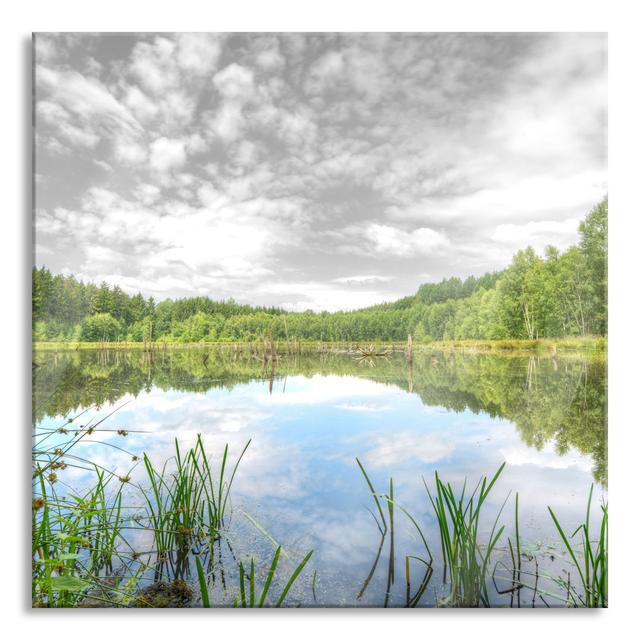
(559, 294)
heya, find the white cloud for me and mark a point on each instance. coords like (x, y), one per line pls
(147, 193)
(196, 144)
(319, 296)
(54, 146)
(167, 154)
(88, 98)
(396, 242)
(235, 83)
(360, 280)
(59, 118)
(398, 447)
(327, 389)
(144, 108)
(151, 64)
(317, 156)
(77, 136)
(538, 234)
(128, 151)
(198, 53)
(51, 111)
(45, 48)
(212, 249)
(324, 71)
(103, 165)
(519, 454)
(270, 59)
(228, 122)
(371, 407)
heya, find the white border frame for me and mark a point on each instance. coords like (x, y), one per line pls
(287, 15)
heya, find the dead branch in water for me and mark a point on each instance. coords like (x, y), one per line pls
(371, 352)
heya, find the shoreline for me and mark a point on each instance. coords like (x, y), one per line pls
(548, 346)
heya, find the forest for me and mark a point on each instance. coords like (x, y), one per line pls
(562, 294)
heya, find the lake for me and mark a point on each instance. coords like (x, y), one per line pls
(309, 416)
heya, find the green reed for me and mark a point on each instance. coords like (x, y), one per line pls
(202, 582)
(189, 503)
(249, 596)
(81, 554)
(74, 541)
(411, 600)
(458, 524)
(593, 563)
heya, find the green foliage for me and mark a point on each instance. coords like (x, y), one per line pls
(558, 295)
(188, 504)
(248, 593)
(75, 537)
(458, 523)
(82, 553)
(593, 563)
(594, 246)
(101, 327)
(141, 330)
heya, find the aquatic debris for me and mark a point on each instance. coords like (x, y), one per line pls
(371, 351)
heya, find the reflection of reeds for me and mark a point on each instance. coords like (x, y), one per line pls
(458, 523)
(516, 567)
(392, 565)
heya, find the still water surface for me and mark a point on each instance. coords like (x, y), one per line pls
(310, 416)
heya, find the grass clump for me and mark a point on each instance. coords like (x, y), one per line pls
(593, 563)
(188, 504)
(458, 524)
(76, 542)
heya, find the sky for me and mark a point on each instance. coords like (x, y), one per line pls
(311, 171)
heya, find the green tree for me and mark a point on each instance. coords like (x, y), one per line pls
(594, 244)
(101, 327)
(102, 300)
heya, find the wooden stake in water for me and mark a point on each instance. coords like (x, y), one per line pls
(409, 348)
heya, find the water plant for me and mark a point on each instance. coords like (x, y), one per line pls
(75, 540)
(458, 525)
(593, 563)
(83, 554)
(249, 596)
(188, 504)
(411, 600)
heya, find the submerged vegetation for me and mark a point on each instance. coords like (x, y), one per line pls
(563, 294)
